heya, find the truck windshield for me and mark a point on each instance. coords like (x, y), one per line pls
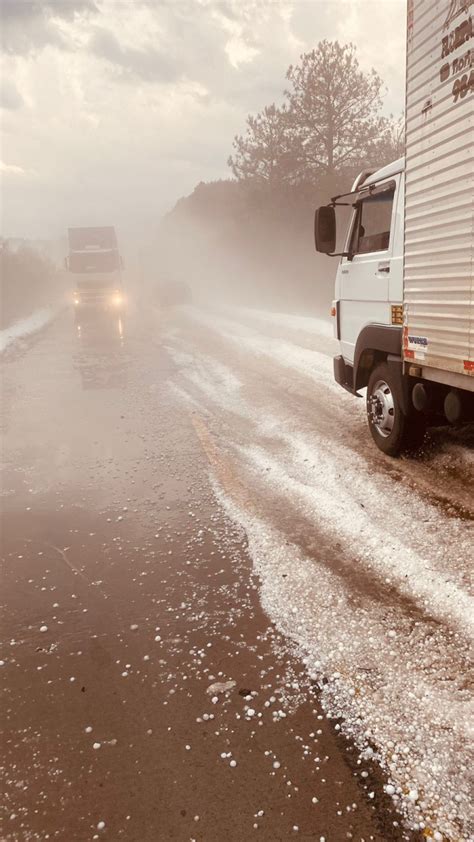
(99, 261)
(96, 284)
(373, 222)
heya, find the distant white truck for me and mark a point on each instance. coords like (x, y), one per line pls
(404, 299)
(95, 266)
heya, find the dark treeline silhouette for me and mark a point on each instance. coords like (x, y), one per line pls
(28, 281)
(252, 235)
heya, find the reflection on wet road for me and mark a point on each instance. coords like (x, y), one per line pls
(163, 480)
(101, 357)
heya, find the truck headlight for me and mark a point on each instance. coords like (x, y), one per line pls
(117, 299)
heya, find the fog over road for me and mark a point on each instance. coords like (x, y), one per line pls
(191, 504)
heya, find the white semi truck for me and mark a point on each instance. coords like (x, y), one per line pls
(95, 265)
(404, 299)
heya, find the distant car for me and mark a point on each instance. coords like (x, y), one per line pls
(173, 293)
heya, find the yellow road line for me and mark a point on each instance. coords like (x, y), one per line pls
(220, 462)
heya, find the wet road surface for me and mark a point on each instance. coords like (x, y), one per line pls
(182, 609)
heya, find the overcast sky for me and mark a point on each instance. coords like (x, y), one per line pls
(113, 109)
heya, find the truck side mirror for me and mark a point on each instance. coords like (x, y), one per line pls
(325, 229)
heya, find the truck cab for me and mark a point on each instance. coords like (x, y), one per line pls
(95, 265)
(369, 281)
(372, 312)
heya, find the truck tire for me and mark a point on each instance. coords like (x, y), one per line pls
(392, 430)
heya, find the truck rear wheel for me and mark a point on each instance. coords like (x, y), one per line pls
(392, 430)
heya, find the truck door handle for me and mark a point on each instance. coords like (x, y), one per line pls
(384, 267)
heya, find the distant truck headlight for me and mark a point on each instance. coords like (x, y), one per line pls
(76, 301)
(117, 299)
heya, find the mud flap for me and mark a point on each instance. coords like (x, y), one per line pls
(403, 384)
(344, 375)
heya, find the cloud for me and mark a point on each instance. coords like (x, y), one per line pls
(30, 25)
(148, 63)
(10, 97)
(131, 103)
(164, 42)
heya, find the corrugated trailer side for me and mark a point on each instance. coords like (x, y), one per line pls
(438, 331)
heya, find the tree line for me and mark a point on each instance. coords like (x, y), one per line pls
(28, 281)
(252, 233)
(329, 126)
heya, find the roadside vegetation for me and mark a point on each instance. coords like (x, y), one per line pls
(28, 281)
(252, 234)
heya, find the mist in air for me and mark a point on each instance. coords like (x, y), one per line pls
(236, 514)
(191, 130)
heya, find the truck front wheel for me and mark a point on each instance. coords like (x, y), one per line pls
(392, 430)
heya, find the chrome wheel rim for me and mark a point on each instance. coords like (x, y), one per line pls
(381, 406)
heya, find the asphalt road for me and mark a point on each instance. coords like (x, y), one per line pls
(203, 630)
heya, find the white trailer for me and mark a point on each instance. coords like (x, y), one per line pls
(404, 300)
(438, 339)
